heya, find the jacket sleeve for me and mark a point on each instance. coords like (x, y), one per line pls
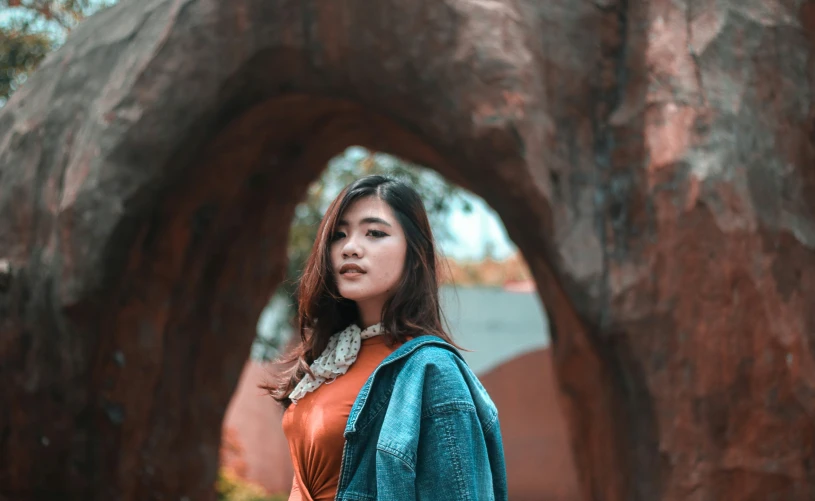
(453, 459)
(437, 446)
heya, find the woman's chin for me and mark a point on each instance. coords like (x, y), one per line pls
(350, 293)
(354, 294)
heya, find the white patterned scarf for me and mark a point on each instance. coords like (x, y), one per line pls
(341, 351)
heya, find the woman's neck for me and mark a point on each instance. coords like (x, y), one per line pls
(365, 324)
(368, 315)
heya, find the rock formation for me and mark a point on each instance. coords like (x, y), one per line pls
(654, 161)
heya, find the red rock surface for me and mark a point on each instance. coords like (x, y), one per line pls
(652, 160)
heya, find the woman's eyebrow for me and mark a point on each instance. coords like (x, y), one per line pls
(343, 222)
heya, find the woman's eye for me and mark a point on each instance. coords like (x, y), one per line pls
(377, 233)
(338, 235)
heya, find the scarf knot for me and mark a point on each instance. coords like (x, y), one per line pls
(340, 352)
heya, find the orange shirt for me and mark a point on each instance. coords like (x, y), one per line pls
(314, 426)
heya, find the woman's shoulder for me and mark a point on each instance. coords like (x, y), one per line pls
(436, 371)
(429, 350)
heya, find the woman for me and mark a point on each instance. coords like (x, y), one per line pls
(379, 403)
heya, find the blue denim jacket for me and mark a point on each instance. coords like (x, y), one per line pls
(424, 428)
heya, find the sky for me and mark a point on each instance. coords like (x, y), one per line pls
(475, 231)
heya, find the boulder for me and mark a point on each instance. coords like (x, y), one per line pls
(653, 160)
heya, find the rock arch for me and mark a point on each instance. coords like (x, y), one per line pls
(650, 160)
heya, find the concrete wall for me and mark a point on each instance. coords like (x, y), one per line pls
(254, 420)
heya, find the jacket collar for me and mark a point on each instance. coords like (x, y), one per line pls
(403, 351)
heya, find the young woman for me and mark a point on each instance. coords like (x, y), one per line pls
(379, 403)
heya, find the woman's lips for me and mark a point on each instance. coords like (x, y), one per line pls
(352, 274)
(351, 271)
(351, 268)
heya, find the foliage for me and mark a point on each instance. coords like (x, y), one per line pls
(32, 28)
(21, 50)
(230, 487)
(439, 196)
(231, 484)
(54, 14)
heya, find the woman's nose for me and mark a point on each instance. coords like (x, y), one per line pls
(351, 247)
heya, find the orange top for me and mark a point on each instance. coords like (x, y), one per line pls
(314, 426)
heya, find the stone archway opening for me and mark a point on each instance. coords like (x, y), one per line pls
(200, 269)
(169, 291)
(491, 308)
(160, 201)
(275, 150)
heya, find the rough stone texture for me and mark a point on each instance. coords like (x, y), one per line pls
(654, 162)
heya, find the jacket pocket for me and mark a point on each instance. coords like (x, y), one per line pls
(395, 475)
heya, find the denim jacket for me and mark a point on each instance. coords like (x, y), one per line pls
(423, 428)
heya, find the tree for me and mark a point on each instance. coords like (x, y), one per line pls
(21, 50)
(30, 29)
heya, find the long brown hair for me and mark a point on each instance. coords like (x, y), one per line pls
(413, 309)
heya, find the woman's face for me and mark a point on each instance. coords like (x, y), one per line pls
(367, 254)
